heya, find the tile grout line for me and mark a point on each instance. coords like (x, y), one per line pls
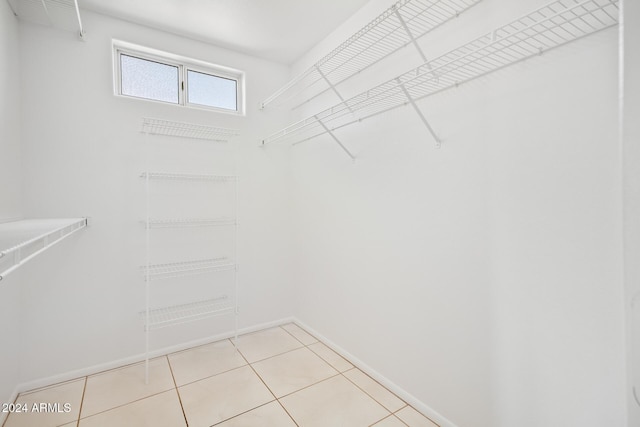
(310, 385)
(320, 356)
(242, 413)
(173, 377)
(270, 391)
(392, 415)
(368, 394)
(299, 340)
(209, 376)
(125, 404)
(84, 392)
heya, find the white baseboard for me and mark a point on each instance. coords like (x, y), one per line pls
(401, 393)
(90, 370)
(12, 398)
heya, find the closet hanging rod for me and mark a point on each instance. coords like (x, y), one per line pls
(187, 130)
(548, 27)
(400, 25)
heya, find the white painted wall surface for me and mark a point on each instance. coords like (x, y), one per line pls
(631, 159)
(10, 160)
(484, 278)
(83, 154)
(10, 196)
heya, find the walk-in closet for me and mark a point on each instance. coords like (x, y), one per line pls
(320, 213)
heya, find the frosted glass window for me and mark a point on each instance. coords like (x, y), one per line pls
(149, 79)
(212, 91)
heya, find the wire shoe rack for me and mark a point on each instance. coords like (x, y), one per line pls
(220, 295)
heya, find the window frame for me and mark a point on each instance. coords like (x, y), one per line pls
(202, 70)
(184, 65)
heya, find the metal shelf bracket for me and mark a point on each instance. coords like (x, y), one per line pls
(422, 117)
(330, 132)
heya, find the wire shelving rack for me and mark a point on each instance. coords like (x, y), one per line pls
(224, 300)
(548, 27)
(186, 268)
(21, 241)
(63, 14)
(178, 314)
(404, 23)
(154, 126)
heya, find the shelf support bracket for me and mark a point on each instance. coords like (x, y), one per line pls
(80, 28)
(415, 42)
(327, 130)
(422, 117)
(332, 86)
(411, 37)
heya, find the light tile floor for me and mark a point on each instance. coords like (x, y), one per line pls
(280, 377)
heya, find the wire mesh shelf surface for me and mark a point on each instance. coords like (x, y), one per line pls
(400, 25)
(22, 240)
(62, 14)
(177, 314)
(186, 268)
(190, 222)
(553, 25)
(187, 177)
(187, 130)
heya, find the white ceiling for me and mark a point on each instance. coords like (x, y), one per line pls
(280, 30)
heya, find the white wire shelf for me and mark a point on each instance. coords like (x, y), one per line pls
(20, 241)
(177, 314)
(186, 268)
(187, 177)
(553, 25)
(62, 14)
(187, 130)
(190, 222)
(402, 24)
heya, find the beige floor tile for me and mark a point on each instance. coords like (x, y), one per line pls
(334, 402)
(161, 410)
(375, 390)
(300, 334)
(413, 418)
(267, 415)
(267, 343)
(331, 357)
(215, 399)
(117, 387)
(54, 415)
(204, 361)
(390, 421)
(292, 371)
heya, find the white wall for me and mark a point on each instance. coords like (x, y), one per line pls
(483, 278)
(83, 153)
(631, 159)
(10, 199)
